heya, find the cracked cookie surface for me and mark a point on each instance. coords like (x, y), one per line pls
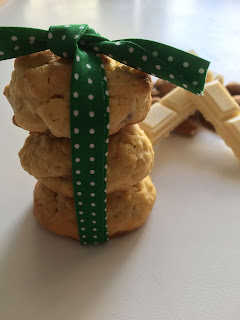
(127, 210)
(39, 93)
(130, 159)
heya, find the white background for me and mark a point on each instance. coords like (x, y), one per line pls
(184, 263)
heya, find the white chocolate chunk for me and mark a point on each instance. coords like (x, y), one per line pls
(218, 107)
(159, 115)
(177, 100)
(192, 52)
(158, 121)
(233, 125)
(163, 117)
(177, 106)
(223, 105)
(218, 77)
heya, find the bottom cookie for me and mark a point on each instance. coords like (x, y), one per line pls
(127, 209)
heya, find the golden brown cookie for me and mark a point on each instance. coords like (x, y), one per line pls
(39, 93)
(130, 159)
(127, 210)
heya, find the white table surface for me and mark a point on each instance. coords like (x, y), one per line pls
(184, 263)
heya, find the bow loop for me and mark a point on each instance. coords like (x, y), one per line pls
(62, 40)
(91, 37)
(19, 41)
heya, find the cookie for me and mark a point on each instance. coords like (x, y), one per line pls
(39, 93)
(127, 210)
(130, 159)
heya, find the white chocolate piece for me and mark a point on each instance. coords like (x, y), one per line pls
(192, 52)
(219, 108)
(219, 101)
(158, 121)
(217, 76)
(165, 116)
(159, 115)
(173, 109)
(234, 126)
(177, 100)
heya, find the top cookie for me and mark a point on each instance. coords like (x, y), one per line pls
(39, 93)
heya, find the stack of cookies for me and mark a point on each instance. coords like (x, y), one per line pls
(39, 93)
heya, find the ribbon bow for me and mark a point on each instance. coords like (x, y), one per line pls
(89, 102)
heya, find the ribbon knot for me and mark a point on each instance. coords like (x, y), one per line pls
(89, 106)
(62, 40)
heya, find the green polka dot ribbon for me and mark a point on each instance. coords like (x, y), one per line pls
(89, 102)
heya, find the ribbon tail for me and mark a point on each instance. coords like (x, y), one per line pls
(17, 41)
(176, 66)
(190, 69)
